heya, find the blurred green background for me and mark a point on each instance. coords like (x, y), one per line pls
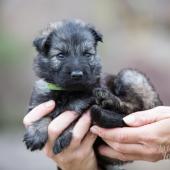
(136, 34)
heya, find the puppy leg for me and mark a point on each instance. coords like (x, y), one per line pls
(108, 112)
(106, 118)
(79, 106)
(37, 134)
(107, 100)
(62, 142)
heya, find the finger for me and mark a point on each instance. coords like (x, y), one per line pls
(122, 135)
(80, 129)
(89, 140)
(147, 156)
(59, 124)
(147, 116)
(47, 149)
(111, 153)
(158, 132)
(127, 148)
(38, 112)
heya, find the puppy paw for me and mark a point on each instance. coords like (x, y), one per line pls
(101, 94)
(62, 142)
(34, 138)
(108, 104)
(105, 98)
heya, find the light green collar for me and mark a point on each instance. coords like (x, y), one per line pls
(56, 87)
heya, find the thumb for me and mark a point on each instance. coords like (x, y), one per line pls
(148, 116)
(38, 112)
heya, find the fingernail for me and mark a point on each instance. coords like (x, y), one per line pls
(130, 119)
(49, 104)
(94, 129)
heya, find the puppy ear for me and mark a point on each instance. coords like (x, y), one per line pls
(97, 35)
(39, 43)
(42, 42)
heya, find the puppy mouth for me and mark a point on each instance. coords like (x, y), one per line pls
(76, 85)
(67, 82)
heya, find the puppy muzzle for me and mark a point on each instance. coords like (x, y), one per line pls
(76, 75)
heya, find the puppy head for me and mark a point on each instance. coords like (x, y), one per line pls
(67, 54)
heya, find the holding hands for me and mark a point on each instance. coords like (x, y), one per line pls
(147, 137)
(79, 155)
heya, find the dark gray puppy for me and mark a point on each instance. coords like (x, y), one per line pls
(69, 69)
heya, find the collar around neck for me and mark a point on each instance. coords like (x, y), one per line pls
(55, 87)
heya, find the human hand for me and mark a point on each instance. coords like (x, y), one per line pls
(147, 139)
(79, 155)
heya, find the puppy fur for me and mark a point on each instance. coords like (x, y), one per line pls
(67, 56)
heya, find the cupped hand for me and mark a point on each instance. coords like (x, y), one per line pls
(79, 155)
(147, 138)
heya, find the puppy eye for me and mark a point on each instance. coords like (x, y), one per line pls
(87, 54)
(60, 55)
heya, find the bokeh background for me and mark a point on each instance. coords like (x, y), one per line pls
(136, 34)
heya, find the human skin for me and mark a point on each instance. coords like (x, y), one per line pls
(79, 155)
(147, 137)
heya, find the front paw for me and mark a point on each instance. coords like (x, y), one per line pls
(101, 94)
(35, 138)
(62, 142)
(104, 98)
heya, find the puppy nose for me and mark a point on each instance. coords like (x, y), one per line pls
(76, 75)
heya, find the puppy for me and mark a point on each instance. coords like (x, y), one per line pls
(69, 69)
